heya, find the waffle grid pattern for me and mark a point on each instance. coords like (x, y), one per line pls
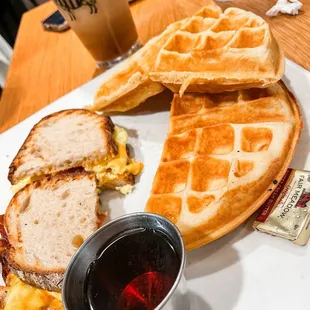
(203, 170)
(216, 51)
(210, 30)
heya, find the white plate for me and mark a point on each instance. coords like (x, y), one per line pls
(243, 270)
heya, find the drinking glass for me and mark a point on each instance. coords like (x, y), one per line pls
(105, 27)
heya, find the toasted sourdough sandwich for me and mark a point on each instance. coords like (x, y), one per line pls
(45, 223)
(76, 138)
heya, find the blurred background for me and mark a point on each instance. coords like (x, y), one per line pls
(10, 15)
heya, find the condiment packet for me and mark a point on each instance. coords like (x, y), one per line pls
(286, 213)
(285, 7)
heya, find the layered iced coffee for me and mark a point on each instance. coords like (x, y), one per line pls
(105, 27)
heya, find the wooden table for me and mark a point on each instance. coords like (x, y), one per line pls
(47, 65)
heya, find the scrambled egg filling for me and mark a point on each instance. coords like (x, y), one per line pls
(126, 189)
(108, 171)
(22, 296)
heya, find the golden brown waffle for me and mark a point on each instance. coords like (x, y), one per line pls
(215, 52)
(224, 155)
(210, 52)
(130, 84)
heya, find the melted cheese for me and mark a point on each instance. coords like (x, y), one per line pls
(21, 184)
(22, 296)
(108, 170)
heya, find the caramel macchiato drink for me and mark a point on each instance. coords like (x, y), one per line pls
(105, 27)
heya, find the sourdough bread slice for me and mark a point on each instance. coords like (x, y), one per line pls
(46, 222)
(64, 140)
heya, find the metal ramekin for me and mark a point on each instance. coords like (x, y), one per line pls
(75, 276)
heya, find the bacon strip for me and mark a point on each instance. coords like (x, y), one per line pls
(4, 245)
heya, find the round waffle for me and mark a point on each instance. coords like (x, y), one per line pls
(224, 155)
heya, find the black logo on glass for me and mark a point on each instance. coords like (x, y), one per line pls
(71, 5)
